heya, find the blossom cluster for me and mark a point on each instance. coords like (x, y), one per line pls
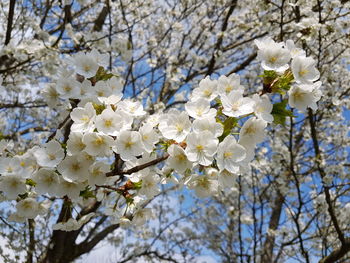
(276, 57)
(114, 145)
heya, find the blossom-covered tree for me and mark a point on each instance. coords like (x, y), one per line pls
(109, 106)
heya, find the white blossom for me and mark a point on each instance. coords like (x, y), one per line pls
(273, 55)
(71, 189)
(208, 124)
(204, 186)
(72, 224)
(149, 137)
(129, 145)
(230, 154)
(263, 108)
(83, 118)
(98, 144)
(46, 181)
(294, 51)
(305, 96)
(228, 84)
(175, 125)
(235, 105)
(74, 168)
(10, 166)
(177, 159)
(75, 143)
(304, 70)
(85, 64)
(12, 185)
(200, 109)
(150, 185)
(68, 88)
(50, 155)
(201, 147)
(133, 108)
(253, 131)
(141, 215)
(207, 89)
(28, 208)
(97, 175)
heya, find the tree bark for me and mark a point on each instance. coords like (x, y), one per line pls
(273, 225)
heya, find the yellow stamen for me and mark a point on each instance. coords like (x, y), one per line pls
(108, 123)
(228, 154)
(200, 147)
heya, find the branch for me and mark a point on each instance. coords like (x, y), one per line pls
(148, 253)
(139, 167)
(221, 37)
(274, 221)
(47, 9)
(338, 253)
(24, 132)
(31, 246)
(10, 21)
(7, 69)
(25, 105)
(67, 19)
(243, 64)
(323, 174)
(59, 127)
(86, 246)
(100, 20)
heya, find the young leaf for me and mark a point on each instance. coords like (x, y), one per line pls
(279, 112)
(229, 123)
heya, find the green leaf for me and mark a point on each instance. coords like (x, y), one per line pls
(275, 83)
(87, 193)
(129, 200)
(229, 123)
(137, 185)
(30, 182)
(102, 74)
(271, 74)
(166, 144)
(98, 108)
(279, 112)
(283, 83)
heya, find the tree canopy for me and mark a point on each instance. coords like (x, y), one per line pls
(171, 130)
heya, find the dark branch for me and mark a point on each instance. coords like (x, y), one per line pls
(139, 167)
(10, 21)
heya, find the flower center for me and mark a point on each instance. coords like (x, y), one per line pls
(87, 68)
(108, 123)
(228, 88)
(99, 141)
(228, 155)
(52, 157)
(67, 88)
(272, 59)
(298, 95)
(207, 92)
(235, 106)
(85, 118)
(303, 72)
(249, 130)
(179, 127)
(75, 167)
(199, 147)
(181, 157)
(128, 144)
